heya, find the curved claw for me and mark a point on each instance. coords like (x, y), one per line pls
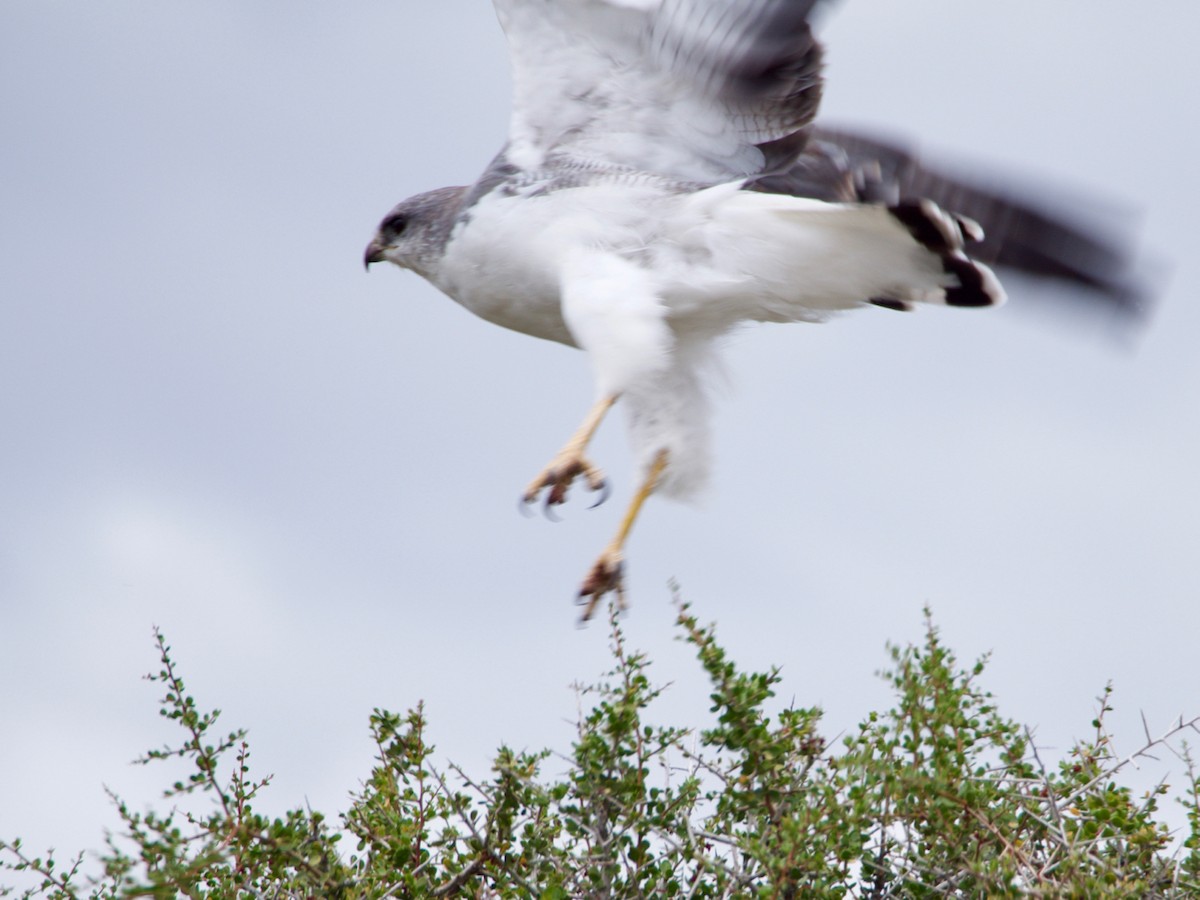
(548, 508)
(605, 490)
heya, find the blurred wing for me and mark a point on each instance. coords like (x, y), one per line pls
(698, 90)
(1019, 232)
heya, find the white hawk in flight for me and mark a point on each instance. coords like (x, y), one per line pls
(663, 181)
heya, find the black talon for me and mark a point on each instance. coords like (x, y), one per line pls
(548, 510)
(605, 490)
(523, 506)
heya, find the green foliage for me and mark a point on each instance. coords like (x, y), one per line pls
(938, 796)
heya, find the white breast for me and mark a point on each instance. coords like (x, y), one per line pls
(505, 261)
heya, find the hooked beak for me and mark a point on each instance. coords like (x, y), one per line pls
(373, 253)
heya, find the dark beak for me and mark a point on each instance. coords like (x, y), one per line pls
(373, 253)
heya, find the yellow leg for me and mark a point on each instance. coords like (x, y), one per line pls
(569, 463)
(606, 574)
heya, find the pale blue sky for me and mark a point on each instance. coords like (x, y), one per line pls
(213, 421)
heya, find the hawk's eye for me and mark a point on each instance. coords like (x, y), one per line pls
(394, 224)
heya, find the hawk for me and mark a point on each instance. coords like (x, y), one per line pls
(663, 182)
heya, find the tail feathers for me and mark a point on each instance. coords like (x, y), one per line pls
(804, 258)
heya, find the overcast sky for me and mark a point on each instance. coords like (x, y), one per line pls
(211, 420)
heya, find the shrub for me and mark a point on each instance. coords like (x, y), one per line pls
(938, 796)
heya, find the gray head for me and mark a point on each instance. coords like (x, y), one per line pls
(414, 234)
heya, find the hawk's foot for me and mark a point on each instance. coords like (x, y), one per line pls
(605, 576)
(570, 463)
(557, 478)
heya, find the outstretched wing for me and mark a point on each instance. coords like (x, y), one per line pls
(698, 90)
(1019, 232)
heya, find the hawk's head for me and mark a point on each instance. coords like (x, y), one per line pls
(414, 233)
